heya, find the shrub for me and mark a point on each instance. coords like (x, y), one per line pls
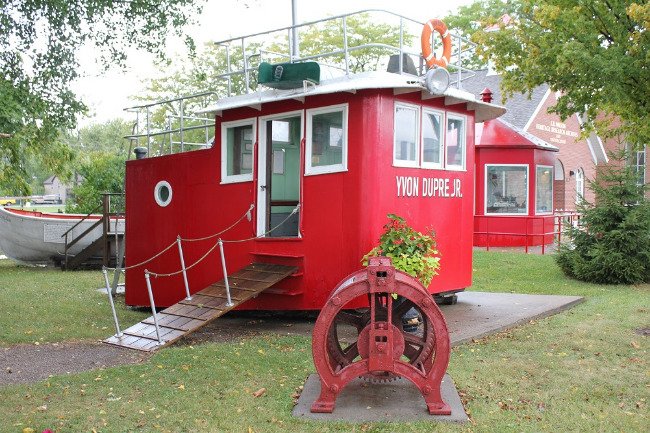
(611, 245)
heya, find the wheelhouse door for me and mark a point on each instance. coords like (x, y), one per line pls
(279, 175)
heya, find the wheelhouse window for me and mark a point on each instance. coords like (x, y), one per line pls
(455, 142)
(543, 189)
(407, 131)
(237, 140)
(432, 139)
(327, 140)
(506, 189)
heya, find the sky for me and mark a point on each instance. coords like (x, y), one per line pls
(108, 93)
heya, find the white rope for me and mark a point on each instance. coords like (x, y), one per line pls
(170, 274)
(293, 212)
(187, 268)
(251, 207)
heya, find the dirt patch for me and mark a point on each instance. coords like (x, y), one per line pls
(247, 324)
(27, 363)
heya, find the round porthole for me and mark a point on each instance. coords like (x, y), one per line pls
(163, 193)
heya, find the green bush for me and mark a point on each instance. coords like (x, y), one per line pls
(611, 245)
(101, 172)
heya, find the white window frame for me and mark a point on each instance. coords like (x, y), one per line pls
(640, 180)
(485, 190)
(418, 121)
(443, 135)
(454, 116)
(580, 185)
(333, 168)
(236, 178)
(261, 162)
(156, 193)
(552, 169)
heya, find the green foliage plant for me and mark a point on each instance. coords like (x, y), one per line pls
(101, 172)
(40, 57)
(410, 251)
(611, 245)
(594, 52)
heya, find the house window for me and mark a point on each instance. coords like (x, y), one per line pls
(407, 132)
(544, 189)
(432, 139)
(639, 163)
(580, 185)
(237, 140)
(455, 142)
(327, 140)
(506, 189)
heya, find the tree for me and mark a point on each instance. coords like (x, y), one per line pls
(200, 73)
(101, 172)
(39, 41)
(100, 137)
(99, 159)
(612, 243)
(361, 29)
(594, 52)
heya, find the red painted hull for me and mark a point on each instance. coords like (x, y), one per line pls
(341, 216)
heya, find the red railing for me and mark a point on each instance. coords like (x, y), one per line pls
(561, 220)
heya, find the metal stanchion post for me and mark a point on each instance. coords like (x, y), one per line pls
(118, 333)
(225, 274)
(180, 253)
(153, 306)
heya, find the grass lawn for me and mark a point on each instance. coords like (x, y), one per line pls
(583, 370)
(47, 305)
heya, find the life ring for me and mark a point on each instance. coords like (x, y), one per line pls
(427, 52)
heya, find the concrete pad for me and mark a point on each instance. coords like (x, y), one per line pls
(362, 401)
(478, 314)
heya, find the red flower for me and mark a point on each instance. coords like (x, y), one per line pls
(398, 242)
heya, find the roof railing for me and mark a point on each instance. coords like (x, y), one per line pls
(244, 54)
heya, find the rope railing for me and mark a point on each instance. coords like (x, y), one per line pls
(179, 238)
(246, 214)
(184, 269)
(213, 247)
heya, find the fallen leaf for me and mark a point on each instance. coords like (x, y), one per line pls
(42, 408)
(181, 387)
(28, 430)
(260, 392)
(635, 345)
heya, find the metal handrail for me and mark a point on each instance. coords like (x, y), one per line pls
(558, 220)
(104, 220)
(244, 68)
(459, 39)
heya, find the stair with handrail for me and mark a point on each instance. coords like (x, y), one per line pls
(99, 250)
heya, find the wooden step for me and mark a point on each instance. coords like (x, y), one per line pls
(188, 315)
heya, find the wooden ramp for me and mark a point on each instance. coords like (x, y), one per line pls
(187, 316)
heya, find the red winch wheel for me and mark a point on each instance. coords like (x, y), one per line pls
(372, 343)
